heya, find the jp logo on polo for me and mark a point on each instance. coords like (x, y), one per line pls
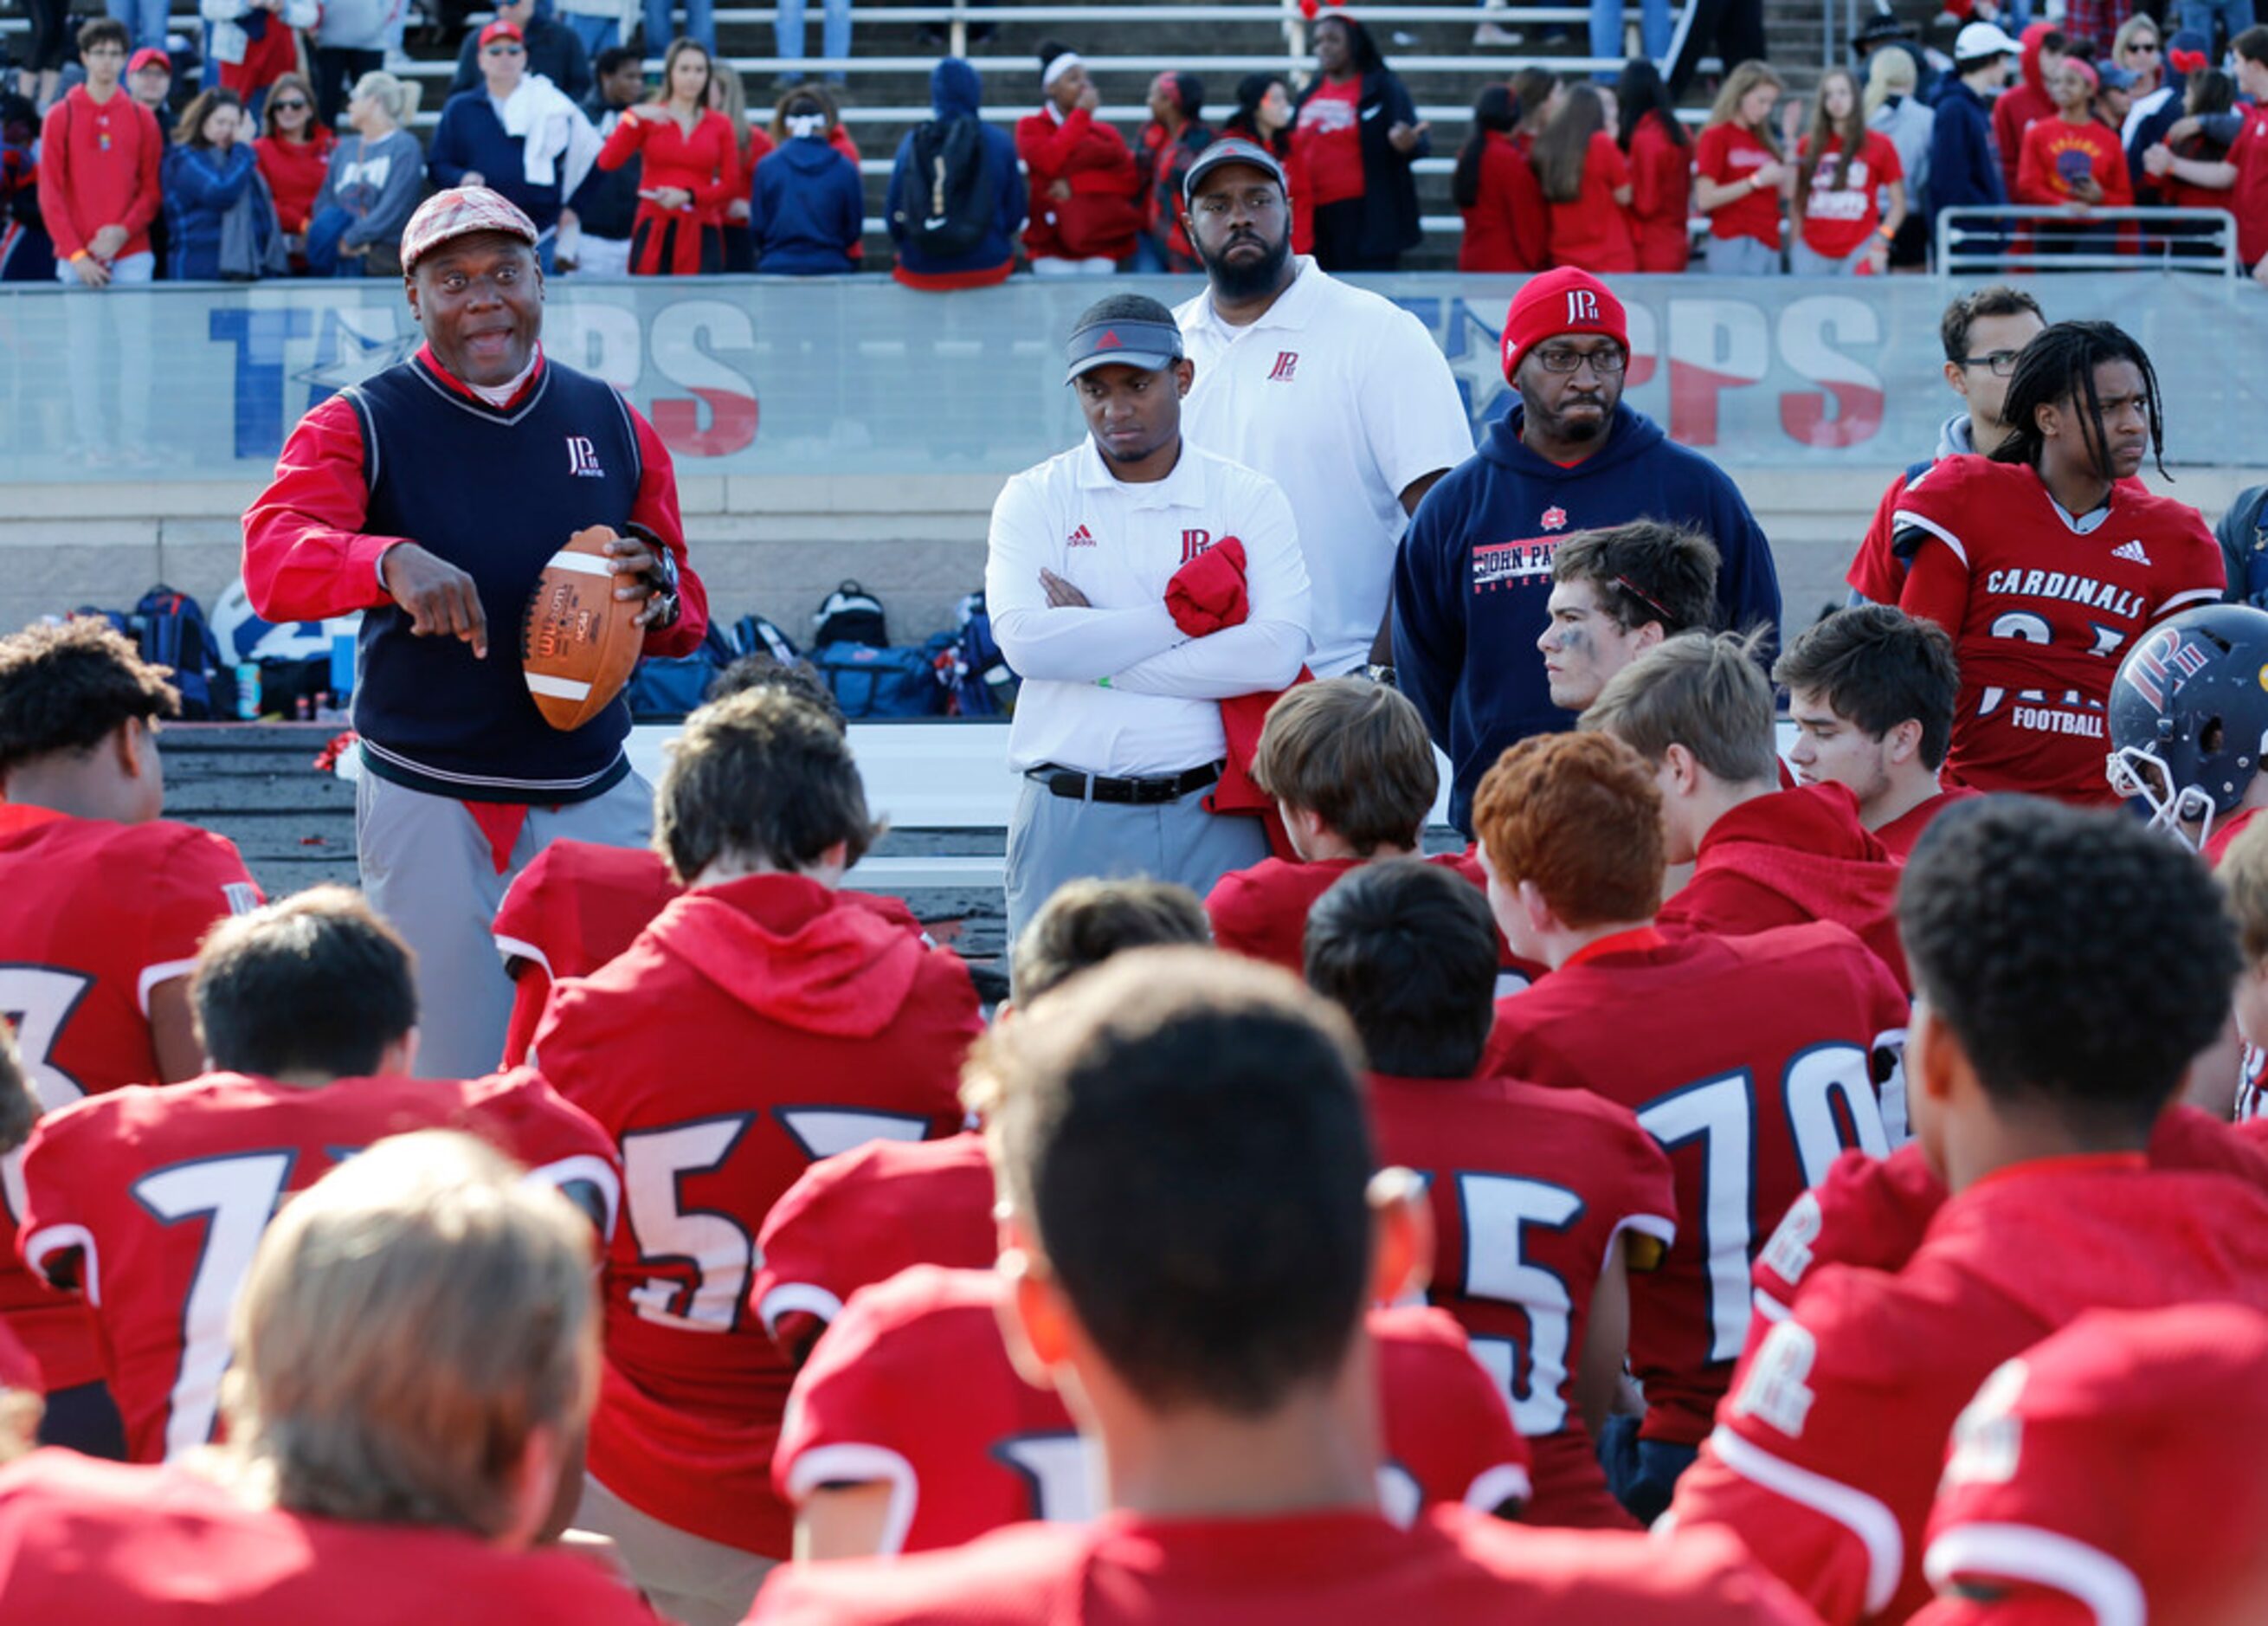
(582, 458)
(1582, 305)
(1288, 363)
(1194, 542)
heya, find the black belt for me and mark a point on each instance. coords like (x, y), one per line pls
(1076, 787)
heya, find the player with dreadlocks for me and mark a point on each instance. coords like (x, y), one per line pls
(2046, 560)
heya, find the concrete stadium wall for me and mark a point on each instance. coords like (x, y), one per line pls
(778, 543)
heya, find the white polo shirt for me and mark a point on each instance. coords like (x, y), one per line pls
(1342, 398)
(1119, 688)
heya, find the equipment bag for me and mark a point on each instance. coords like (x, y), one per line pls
(663, 688)
(948, 209)
(983, 684)
(172, 629)
(867, 682)
(850, 615)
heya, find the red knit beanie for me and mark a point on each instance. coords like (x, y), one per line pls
(1566, 301)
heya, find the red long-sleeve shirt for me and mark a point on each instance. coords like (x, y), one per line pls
(2040, 173)
(1505, 229)
(99, 168)
(306, 555)
(295, 171)
(1093, 160)
(1661, 197)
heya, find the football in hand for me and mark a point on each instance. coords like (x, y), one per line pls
(578, 641)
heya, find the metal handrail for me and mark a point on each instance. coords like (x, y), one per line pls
(2004, 237)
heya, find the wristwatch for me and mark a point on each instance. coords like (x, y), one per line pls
(665, 571)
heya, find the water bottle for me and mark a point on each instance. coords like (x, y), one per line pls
(247, 691)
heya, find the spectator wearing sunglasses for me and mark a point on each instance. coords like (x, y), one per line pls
(294, 154)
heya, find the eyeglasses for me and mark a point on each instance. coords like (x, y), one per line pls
(2003, 362)
(1605, 363)
(503, 49)
(293, 105)
(2151, 45)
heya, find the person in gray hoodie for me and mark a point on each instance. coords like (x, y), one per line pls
(377, 176)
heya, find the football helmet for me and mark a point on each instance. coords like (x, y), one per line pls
(2188, 717)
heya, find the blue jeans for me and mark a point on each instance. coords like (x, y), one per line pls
(597, 33)
(1641, 1473)
(1606, 32)
(834, 32)
(146, 19)
(2234, 14)
(700, 23)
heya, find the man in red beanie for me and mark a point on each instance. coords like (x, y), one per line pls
(1473, 576)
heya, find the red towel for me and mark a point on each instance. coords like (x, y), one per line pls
(1207, 594)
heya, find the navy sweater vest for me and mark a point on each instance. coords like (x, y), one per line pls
(494, 492)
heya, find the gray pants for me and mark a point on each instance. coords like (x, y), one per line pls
(426, 867)
(1804, 260)
(1052, 839)
(1739, 256)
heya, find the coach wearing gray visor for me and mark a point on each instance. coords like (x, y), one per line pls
(1118, 731)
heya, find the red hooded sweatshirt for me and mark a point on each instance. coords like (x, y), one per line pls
(2020, 105)
(755, 1027)
(1787, 858)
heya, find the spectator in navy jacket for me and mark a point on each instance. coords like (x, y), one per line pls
(554, 50)
(1473, 575)
(955, 92)
(206, 172)
(1964, 160)
(474, 147)
(807, 208)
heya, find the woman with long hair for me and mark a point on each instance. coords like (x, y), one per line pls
(750, 147)
(1738, 174)
(689, 168)
(1660, 157)
(206, 172)
(1894, 110)
(1264, 117)
(294, 155)
(374, 183)
(1841, 167)
(1497, 192)
(1356, 132)
(1587, 185)
(806, 204)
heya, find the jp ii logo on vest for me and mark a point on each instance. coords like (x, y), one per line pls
(582, 458)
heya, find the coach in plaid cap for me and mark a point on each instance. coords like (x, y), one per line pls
(430, 497)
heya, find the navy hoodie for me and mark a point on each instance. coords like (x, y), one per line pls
(807, 210)
(1473, 574)
(956, 90)
(1964, 160)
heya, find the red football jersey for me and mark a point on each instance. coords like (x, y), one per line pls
(154, 1199)
(2218, 839)
(913, 1386)
(1900, 834)
(93, 915)
(1531, 1189)
(862, 1217)
(2040, 611)
(1873, 1212)
(753, 1029)
(1454, 1567)
(1825, 1459)
(2041, 1496)
(1789, 858)
(1261, 912)
(87, 1540)
(576, 906)
(1751, 1060)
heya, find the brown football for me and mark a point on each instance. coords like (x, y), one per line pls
(577, 642)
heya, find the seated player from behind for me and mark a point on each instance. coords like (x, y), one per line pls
(2041, 1518)
(23, 1390)
(2046, 561)
(154, 1199)
(1871, 692)
(1543, 1200)
(578, 903)
(863, 1215)
(1699, 711)
(413, 1353)
(2042, 1055)
(763, 1021)
(1616, 594)
(102, 903)
(1750, 1059)
(1354, 776)
(1191, 1230)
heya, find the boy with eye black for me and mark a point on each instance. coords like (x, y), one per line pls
(1474, 574)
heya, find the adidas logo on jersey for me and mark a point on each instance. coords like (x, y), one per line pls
(1080, 538)
(2130, 551)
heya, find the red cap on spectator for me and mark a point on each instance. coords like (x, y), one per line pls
(460, 212)
(18, 1369)
(503, 28)
(150, 56)
(1566, 301)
